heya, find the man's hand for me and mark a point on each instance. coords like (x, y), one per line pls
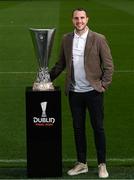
(103, 89)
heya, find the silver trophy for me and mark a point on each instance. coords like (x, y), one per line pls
(42, 41)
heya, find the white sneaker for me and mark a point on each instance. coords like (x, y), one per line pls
(103, 171)
(78, 169)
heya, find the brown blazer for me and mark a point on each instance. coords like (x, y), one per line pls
(97, 57)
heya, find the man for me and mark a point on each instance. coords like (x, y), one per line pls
(89, 69)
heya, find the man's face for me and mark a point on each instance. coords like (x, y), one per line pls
(79, 20)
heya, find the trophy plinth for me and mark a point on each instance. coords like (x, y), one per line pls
(42, 41)
(43, 86)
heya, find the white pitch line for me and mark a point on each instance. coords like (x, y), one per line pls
(109, 160)
(13, 24)
(12, 160)
(124, 71)
(68, 160)
(31, 72)
(17, 72)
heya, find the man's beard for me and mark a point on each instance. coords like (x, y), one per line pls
(80, 30)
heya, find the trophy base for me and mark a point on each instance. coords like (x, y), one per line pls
(43, 86)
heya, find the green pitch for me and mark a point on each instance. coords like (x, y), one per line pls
(18, 69)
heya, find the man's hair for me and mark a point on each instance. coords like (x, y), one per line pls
(79, 9)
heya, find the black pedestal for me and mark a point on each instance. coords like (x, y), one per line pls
(43, 122)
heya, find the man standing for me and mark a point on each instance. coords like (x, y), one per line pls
(86, 56)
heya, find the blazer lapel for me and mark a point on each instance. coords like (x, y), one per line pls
(69, 47)
(89, 43)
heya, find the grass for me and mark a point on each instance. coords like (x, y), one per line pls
(18, 68)
(115, 172)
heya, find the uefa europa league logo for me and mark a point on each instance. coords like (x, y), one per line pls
(43, 106)
(42, 41)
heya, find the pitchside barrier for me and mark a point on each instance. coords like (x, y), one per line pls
(43, 132)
